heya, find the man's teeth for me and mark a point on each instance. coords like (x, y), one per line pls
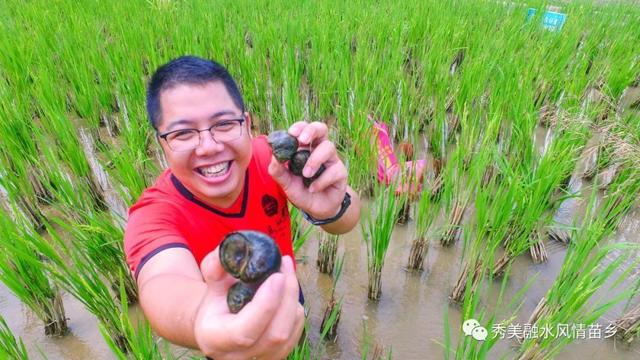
(215, 170)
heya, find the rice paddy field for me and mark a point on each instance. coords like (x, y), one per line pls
(520, 241)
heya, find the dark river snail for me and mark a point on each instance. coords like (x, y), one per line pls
(283, 145)
(285, 148)
(249, 256)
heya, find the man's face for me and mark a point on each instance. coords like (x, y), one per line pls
(213, 172)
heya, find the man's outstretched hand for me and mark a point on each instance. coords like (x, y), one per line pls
(268, 327)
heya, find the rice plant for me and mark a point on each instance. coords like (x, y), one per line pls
(327, 250)
(331, 317)
(21, 270)
(455, 195)
(538, 181)
(483, 236)
(377, 229)
(585, 270)
(142, 344)
(425, 215)
(100, 238)
(378, 352)
(299, 233)
(73, 270)
(10, 347)
(628, 325)
(303, 350)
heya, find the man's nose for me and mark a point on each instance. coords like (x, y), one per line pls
(208, 144)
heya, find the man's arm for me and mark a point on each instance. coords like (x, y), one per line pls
(171, 289)
(187, 306)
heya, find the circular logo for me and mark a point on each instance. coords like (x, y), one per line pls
(269, 205)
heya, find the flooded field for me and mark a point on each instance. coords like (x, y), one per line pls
(409, 316)
(408, 319)
(521, 122)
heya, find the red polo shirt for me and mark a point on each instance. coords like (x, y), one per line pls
(168, 215)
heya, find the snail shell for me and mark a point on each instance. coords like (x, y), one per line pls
(250, 256)
(239, 295)
(298, 162)
(283, 145)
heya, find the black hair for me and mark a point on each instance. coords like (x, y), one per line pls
(187, 70)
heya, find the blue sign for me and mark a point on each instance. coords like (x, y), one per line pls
(551, 20)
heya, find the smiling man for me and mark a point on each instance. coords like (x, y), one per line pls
(222, 179)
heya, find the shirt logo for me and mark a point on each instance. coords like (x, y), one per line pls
(269, 205)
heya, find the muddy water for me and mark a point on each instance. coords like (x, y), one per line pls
(409, 316)
(83, 342)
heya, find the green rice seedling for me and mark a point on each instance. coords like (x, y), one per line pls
(406, 180)
(487, 316)
(437, 144)
(573, 308)
(10, 347)
(303, 349)
(20, 147)
(114, 202)
(74, 271)
(483, 236)
(140, 339)
(327, 250)
(331, 317)
(628, 325)
(21, 194)
(128, 159)
(377, 228)
(22, 272)
(456, 198)
(454, 219)
(585, 270)
(70, 197)
(330, 320)
(378, 349)
(538, 181)
(60, 127)
(100, 238)
(360, 159)
(426, 213)
(299, 233)
(22, 177)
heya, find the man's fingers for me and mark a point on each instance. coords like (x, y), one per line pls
(295, 338)
(324, 153)
(309, 133)
(213, 273)
(283, 325)
(279, 173)
(335, 175)
(296, 128)
(251, 322)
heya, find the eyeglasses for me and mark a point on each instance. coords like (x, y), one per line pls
(225, 130)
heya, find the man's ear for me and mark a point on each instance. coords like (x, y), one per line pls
(248, 120)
